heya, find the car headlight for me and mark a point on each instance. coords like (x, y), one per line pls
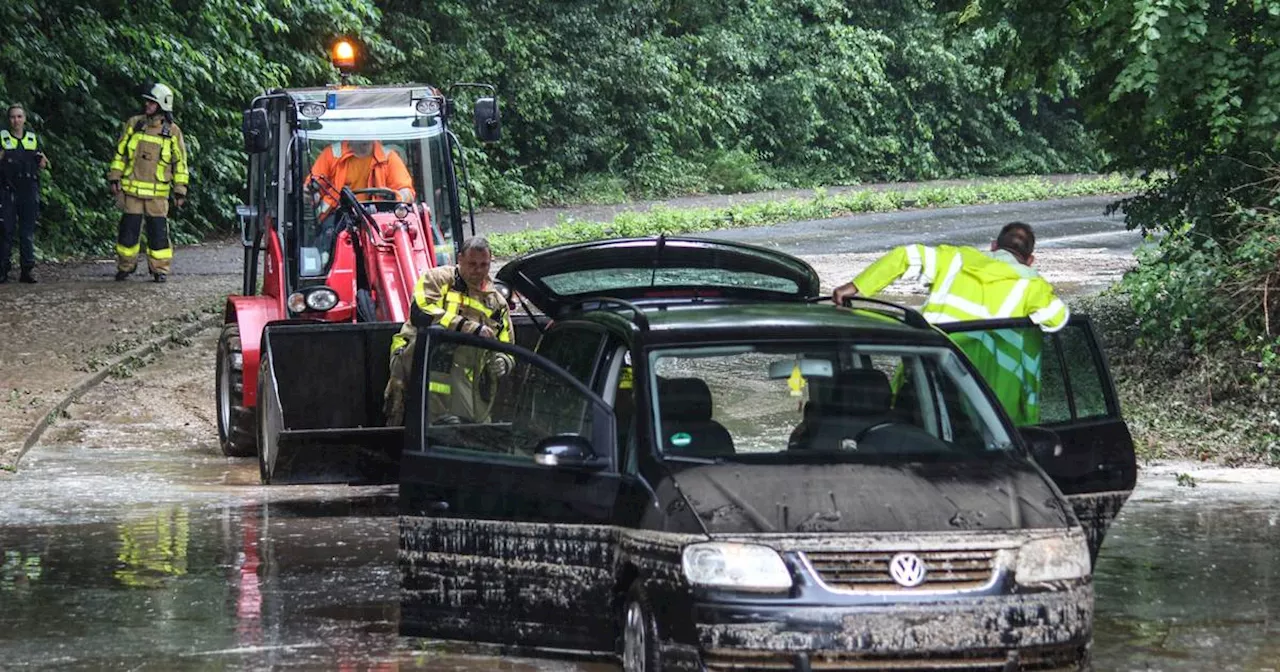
(322, 298)
(1045, 560)
(735, 566)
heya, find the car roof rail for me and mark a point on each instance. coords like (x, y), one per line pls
(640, 320)
(910, 316)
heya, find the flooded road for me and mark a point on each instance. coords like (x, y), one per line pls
(128, 543)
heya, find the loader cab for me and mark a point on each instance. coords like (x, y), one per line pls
(388, 158)
(292, 136)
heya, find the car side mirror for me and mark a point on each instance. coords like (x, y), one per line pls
(256, 130)
(564, 450)
(488, 120)
(1044, 444)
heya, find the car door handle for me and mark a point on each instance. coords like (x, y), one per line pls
(438, 506)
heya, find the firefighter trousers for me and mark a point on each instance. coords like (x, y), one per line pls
(154, 213)
(19, 209)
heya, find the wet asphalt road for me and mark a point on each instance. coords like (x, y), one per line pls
(130, 544)
(127, 542)
(1074, 223)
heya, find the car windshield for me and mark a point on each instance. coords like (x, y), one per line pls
(817, 400)
(383, 159)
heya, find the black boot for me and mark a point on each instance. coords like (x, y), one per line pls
(27, 277)
(121, 276)
(159, 277)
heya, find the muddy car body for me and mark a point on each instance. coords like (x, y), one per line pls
(711, 470)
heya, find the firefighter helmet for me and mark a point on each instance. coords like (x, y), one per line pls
(161, 95)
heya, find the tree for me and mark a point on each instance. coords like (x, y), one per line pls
(1191, 87)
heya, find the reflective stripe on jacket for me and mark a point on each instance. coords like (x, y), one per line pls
(150, 159)
(442, 296)
(969, 284)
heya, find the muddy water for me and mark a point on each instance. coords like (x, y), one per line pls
(128, 542)
(1189, 578)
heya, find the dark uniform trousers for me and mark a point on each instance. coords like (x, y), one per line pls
(19, 210)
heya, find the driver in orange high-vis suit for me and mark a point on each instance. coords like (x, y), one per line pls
(360, 165)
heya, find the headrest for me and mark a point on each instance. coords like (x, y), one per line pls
(684, 399)
(861, 392)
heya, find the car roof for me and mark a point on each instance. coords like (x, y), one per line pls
(755, 320)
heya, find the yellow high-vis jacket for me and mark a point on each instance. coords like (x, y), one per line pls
(966, 283)
(150, 159)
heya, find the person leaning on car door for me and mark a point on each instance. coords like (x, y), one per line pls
(966, 283)
(460, 298)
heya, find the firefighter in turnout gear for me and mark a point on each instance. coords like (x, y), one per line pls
(966, 283)
(150, 164)
(460, 298)
(21, 160)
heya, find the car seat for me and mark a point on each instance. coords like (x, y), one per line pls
(685, 410)
(858, 398)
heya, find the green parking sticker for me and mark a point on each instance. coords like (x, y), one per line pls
(681, 439)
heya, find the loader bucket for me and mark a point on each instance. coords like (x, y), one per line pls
(320, 404)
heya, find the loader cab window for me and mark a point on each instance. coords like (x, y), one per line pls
(385, 160)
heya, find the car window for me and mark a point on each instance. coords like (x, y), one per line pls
(807, 400)
(601, 280)
(1088, 392)
(473, 407)
(575, 349)
(1039, 378)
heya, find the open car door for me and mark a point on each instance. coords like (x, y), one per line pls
(1076, 399)
(506, 499)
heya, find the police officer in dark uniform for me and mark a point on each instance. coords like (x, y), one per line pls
(21, 159)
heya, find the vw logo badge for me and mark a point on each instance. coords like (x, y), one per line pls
(907, 570)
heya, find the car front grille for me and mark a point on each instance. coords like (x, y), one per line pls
(869, 570)
(1049, 659)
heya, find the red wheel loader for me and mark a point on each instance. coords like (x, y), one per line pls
(329, 271)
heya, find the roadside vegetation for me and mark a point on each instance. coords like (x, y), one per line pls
(1191, 89)
(820, 206)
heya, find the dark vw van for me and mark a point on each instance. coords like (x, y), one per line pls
(704, 466)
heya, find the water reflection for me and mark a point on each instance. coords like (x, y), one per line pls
(1188, 580)
(19, 571)
(153, 549)
(310, 582)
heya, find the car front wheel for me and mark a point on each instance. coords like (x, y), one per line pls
(639, 634)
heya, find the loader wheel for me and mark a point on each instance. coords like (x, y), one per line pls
(236, 432)
(366, 310)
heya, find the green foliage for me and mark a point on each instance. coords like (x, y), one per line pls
(1188, 86)
(600, 100)
(669, 97)
(821, 206)
(1200, 292)
(79, 69)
